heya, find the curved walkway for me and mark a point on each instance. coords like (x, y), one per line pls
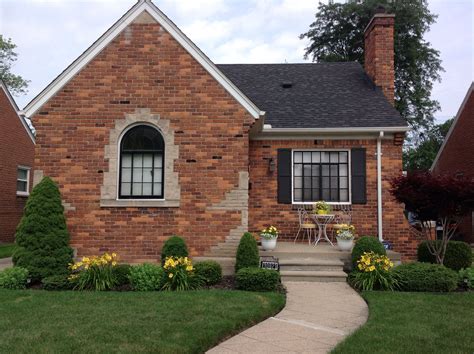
(316, 317)
(5, 263)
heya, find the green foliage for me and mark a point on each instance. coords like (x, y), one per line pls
(174, 247)
(257, 279)
(42, 236)
(367, 244)
(57, 282)
(146, 277)
(426, 277)
(209, 271)
(466, 278)
(374, 272)
(458, 254)
(247, 253)
(15, 83)
(122, 274)
(179, 275)
(7, 250)
(337, 34)
(14, 278)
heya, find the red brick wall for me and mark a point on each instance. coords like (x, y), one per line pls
(144, 67)
(265, 210)
(16, 148)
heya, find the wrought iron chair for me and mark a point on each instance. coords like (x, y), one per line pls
(343, 217)
(306, 225)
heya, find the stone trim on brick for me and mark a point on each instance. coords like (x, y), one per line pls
(109, 188)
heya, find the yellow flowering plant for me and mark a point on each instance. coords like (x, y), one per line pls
(374, 272)
(179, 274)
(269, 233)
(95, 272)
(345, 232)
(321, 207)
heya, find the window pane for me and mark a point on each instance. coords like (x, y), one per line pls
(158, 161)
(126, 174)
(137, 160)
(334, 195)
(298, 170)
(344, 195)
(315, 170)
(325, 170)
(158, 175)
(125, 189)
(307, 195)
(343, 170)
(307, 170)
(307, 182)
(298, 193)
(21, 186)
(325, 182)
(22, 174)
(316, 157)
(343, 157)
(137, 175)
(147, 160)
(343, 182)
(137, 189)
(334, 170)
(298, 156)
(325, 194)
(334, 182)
(147, 175)
(315, 182)
(157, 189)
(334, 157)
(325, 156)
(126, 160)
(316, 194)
(298, 182)
(147, 188)
(307, 156)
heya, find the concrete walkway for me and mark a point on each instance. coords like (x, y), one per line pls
(316, 317)
(5, 263)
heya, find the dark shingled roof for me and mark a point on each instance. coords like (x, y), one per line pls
(322, 95)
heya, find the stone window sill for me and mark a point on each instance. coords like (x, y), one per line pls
(137, 203)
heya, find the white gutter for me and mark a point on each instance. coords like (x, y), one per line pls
(379, 187)
(336, 130)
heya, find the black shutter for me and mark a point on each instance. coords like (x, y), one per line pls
(284, 176)
(358, 176)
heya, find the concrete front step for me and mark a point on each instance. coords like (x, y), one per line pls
(308, 264)
(313, 276)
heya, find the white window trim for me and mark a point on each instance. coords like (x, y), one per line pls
(348, 173)
(28, 169)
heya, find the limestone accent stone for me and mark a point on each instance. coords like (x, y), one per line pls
(144, 18)
(37, 176)
(109, 188)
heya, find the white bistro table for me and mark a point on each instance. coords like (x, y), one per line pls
(322, 220)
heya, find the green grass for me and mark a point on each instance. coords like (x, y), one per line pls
(6, 250)
(111, 322)
(415, 323)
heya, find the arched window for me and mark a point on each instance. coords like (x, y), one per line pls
(142, 152)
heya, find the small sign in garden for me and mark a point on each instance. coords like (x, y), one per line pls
(269, 262)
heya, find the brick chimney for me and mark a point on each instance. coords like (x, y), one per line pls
(379, 46)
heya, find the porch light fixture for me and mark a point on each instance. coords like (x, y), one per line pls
(271, 165)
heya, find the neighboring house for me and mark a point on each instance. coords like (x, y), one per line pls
(148, 138)
(17, 149)
(456, 155)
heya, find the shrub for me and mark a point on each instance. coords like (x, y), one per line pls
(426, 277)
(95, 273)
(466, 278)
(374, 272)
(209, 271)
(57, 282)
(367, 244)
(179, 275)
(42, 236)
(122, 274)
(146, 277)
(14, 278)
(257, 279)
(247, 253)
(458, 254)
(173, 247)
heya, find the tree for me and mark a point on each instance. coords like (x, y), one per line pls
(441, 198)
(421, 155)
(337, 34)
(42, 236)
(15, 83)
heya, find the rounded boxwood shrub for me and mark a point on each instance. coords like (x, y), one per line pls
(257, 279)
(458, 254)
(122, 274)
(209, 271)
(146, 277)
(426, 277)
(57, 282)
(366, 244)
(42, 236)
(174, 247)
(14, 278)
(247, 253)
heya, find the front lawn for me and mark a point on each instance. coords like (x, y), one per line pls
(415, 323)
(105, 322)
(6, 250)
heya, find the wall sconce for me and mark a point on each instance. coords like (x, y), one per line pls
(271, 165)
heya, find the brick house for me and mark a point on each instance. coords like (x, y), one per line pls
(455, 155)
(17, 148)
(148, 138)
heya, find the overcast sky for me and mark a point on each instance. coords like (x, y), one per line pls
(50, 34)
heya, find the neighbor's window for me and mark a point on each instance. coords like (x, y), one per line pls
(320, 175)
(142, 152)
(22, 180)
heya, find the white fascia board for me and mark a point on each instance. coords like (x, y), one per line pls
(337, 130)
(113, 32)
(15, 107)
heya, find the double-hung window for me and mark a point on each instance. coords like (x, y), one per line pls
(321, 175)
(23, 180)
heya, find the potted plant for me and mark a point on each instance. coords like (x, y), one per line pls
(322, 207)
(345, 237)
(268, 237)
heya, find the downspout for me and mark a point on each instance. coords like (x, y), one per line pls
(379, 186)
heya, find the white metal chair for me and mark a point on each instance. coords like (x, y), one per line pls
(343, 217)
(306, 225)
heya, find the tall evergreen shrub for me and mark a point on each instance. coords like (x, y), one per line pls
(42, 236)
(247, 253)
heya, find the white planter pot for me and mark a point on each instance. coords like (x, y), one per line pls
(345, 245)
(269, 245)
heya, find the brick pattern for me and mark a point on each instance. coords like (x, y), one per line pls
(264, 208)
(16, 148)
(379, 53)
(145, 68)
